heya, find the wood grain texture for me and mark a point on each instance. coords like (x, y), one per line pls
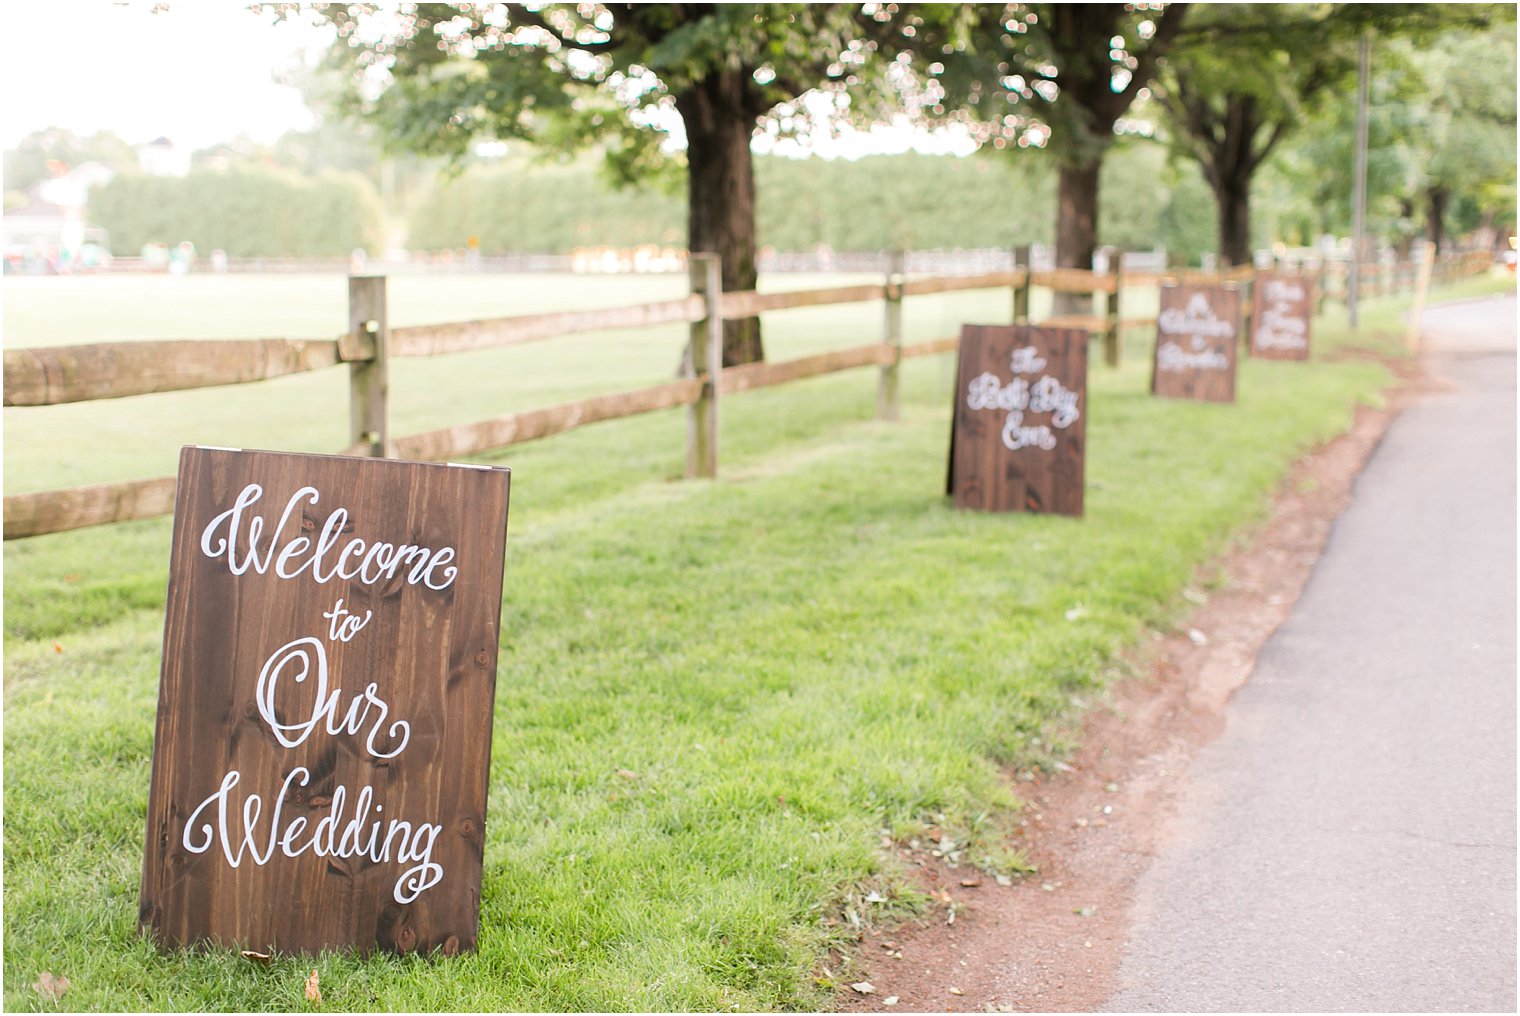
(55, 375)
(1197, 335)
(737, 306)
(1075, 280)
(532, 424)
(761, 375)
(957, 283)
(1091, 323)
(1280, 314)
(434, 340)
(1018, 432)
(933, 347)
(56, 511)
(429, 654)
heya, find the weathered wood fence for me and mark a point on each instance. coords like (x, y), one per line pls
(64, 374)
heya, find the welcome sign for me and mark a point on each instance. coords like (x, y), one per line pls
(324, 715)
(1280, 317)
(1195, 343)
(1018, 433)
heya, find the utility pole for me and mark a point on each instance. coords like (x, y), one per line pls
(1359, 195)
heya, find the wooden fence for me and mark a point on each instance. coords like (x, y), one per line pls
(64, 374)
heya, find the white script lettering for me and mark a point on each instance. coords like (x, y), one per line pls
(1198, 319)
(1047, 395)
(1172, 357)
(358, 558)
(330, 837)
(1026, 360)
(301, 653)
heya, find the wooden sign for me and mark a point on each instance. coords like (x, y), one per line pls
(1017, 437)
(1195, 343)
(324, 711)
(1280, 316)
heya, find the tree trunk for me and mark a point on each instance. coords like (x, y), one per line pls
(1405, 239)
(721, 194)
(1233, 197)
(1435, 215)
(1076, 228)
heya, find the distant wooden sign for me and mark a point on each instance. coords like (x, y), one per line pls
(1196, 335)
(1018, 434)
(1280, 315)
(324, 713)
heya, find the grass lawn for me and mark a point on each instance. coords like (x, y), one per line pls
(793, 661)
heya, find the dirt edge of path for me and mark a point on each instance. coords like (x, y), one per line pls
(1053, 941)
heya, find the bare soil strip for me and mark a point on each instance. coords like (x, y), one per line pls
(1052, 941)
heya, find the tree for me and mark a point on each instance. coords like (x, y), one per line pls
(1243, 77)
(1059, 75)
(1466, 129)
(443, 76)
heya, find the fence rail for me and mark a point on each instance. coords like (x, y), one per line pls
(66, 374)
(60, 374)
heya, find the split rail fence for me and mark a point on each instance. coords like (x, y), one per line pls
(66, 374)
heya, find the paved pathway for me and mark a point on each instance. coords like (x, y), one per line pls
(1349, 841)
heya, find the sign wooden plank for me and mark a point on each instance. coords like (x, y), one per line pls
(324, 715)
(1018, 433)
(1195, 343)
(1280, 316)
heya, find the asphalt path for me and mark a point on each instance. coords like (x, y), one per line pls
(1348, 843)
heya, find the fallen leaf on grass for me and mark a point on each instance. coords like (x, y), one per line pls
(50, 987)
(257, 957)
(864, 987)
(57, 647)
(313, 993)
(628, 774)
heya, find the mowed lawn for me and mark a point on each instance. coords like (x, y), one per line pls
(714, 700)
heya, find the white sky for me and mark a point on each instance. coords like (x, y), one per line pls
(197, 74)
(202, 73)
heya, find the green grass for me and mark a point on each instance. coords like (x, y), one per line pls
(808, 652)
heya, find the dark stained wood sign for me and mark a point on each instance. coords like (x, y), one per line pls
(1195, 343)
(1280, 316)
(1018, 433)
(324, 713)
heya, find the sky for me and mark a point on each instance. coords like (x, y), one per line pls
(204, 73)
(197, 74)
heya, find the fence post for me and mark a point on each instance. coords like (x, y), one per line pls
(891, 336)
(1111, 310)
(706, 365)
(1021, 259)
(366, 348)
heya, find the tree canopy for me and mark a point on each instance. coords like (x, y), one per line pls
(1242, 78)
(638, 79)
